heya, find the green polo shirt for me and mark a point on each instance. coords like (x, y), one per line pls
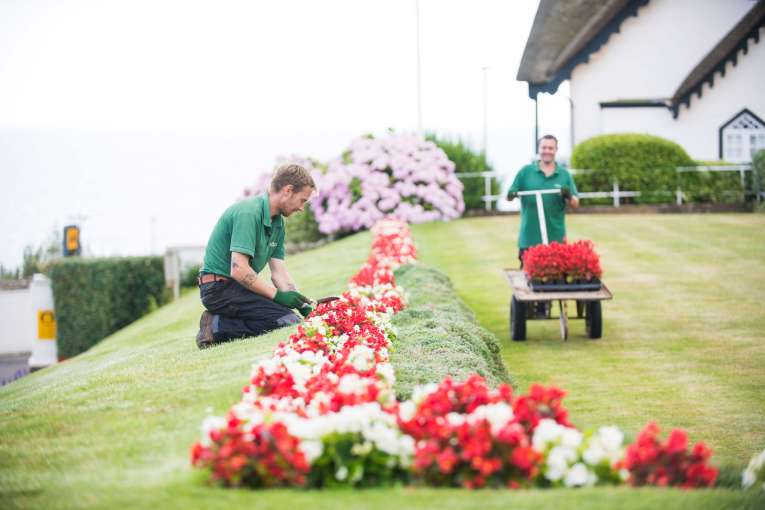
(531, 178)
(246, 227)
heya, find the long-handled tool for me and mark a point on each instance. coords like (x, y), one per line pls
(323, 300)
(540, 209)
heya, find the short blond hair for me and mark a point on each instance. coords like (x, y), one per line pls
(293, 174)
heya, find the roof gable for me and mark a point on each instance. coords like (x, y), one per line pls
(727, 50)
(565, 34)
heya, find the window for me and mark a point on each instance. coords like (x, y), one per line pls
(741, 137)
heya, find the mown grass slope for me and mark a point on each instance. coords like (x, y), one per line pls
(112, 428)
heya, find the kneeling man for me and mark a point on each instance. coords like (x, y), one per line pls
(249, 235)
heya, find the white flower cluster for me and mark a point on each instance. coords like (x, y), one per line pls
(754, 472)
(571, 458)
(369, 423)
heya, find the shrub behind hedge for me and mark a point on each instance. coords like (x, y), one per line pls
(758, 169)
(438, 335)
(302, 227)
(466, 160)
(96, 297)
(637, 162)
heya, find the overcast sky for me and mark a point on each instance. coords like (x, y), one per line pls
(114, 113)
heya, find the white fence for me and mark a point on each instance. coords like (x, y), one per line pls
(616, 193)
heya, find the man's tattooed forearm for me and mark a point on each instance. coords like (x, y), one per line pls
(249, 280)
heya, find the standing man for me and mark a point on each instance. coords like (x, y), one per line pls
(543, 174)
(249, 235)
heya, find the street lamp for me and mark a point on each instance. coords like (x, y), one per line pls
(485, 109)
(419, 71)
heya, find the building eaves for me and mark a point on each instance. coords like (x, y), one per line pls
(725, 51)
(564, 34)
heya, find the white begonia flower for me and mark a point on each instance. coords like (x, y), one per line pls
(341, 473)
(351, 384)
(420, 392)
(362, 358)
(750, 474)
(498, 415)
(312, 449)
(386, 372)
(611, 437)
(407, 409)
(456, 419)
(594, 454)
(748, 477)
(558, 461)
(571, 437)
(579, 476)
(547, 432)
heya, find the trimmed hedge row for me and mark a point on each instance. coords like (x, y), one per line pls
(96, 297)
(758, 165)
(438, 335)
(637, 162)
(648, 164)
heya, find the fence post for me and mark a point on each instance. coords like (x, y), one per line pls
(679, 196)
(487, 191)
(616, 194)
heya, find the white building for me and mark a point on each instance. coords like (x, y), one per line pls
(692, 71)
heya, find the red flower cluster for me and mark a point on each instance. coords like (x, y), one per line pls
(557, 261)
(468, 435)
(651, 462)
(231, 452)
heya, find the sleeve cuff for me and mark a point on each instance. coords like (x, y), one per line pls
(243, 251)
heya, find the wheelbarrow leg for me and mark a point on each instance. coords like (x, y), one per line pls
(563, 320)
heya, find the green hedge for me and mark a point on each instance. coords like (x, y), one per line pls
(301, 227)
(758, 167)
(438, 335)
(466, 160)
(649, 164)
(718, 187)
(96, 297)
(637, 162)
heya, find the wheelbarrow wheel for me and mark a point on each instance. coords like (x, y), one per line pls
(593, 319)
(517, 320)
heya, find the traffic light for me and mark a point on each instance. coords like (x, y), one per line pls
(72, 244)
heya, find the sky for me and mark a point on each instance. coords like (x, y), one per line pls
(141, 121)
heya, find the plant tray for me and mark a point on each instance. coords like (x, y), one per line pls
(564, 287)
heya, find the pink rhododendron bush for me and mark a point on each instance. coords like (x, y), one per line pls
(401, 175)
(322, 412)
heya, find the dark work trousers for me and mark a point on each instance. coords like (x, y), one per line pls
(238, 312)
(521, 251)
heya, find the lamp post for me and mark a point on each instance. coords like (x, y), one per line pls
(484, 70)
(419, 70)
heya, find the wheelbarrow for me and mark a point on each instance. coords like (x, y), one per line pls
(527, 304)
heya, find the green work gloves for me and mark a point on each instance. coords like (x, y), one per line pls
(565, 192)
(305, 310)
(512, 194)
(291, 299)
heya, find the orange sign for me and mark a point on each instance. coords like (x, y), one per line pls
(72, 239)
(46, 325)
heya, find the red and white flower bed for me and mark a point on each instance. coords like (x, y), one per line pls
(322, 412)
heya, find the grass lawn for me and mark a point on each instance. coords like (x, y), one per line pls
(682, 345)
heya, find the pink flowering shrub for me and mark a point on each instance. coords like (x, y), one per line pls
(401, 175)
